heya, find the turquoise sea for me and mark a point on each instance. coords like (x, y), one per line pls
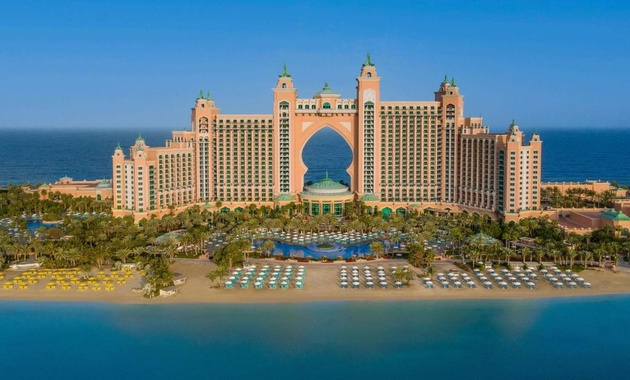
(570, 338)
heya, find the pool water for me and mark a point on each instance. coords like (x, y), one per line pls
(293, 250)
(33, 226)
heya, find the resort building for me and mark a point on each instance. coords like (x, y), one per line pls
(587, 220)
(406, 155)
(100, 189)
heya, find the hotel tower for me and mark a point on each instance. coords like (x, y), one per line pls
(406, 156)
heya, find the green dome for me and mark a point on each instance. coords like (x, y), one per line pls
(326, 90)
(615, 215)
(369, 198)
(327, 184)
(326, 187)
(284, 198)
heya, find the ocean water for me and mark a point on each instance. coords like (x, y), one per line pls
(47, 155)
(576, 338)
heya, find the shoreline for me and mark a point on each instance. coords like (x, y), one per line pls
(320, 286)
(175, 301)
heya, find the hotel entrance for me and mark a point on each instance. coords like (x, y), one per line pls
(326, 197)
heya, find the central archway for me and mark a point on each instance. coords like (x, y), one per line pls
(327, 153)
(310, 127)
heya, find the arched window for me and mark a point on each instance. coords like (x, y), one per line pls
(339, 106)
(345, 107)
(313, 106)
(284, 85)
(299, 106)
(369, 75)
(326, 105)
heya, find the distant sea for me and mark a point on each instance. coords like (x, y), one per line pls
(47, 155)
(571, 338)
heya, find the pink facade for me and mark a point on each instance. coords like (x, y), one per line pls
(406, 155)
(99, 189)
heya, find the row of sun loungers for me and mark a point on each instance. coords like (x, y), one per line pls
(355, 277)
(558, 279)
(451, 279)
(308, 237)
(505, 279)
(66, 279)
(517, 279)
(266, 276)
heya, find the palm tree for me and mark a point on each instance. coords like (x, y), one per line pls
(187, 239)
(267, 247)
(217, 274)
(404, 276)
(72, 255)
(377, 247)
(599, 252)
(170, 251)
(123, 254)
(585, 255)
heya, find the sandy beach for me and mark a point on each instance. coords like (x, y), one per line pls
(320, 285)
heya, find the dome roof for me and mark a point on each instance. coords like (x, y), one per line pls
(104, 184)
(284, 198)
(615, 215)
(327, 184)
(369, 198)
(326, 90)
(326, 187)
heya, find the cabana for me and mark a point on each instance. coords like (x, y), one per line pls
(168, 291)
(179, 279)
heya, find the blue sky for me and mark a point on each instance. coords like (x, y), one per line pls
(140, 64)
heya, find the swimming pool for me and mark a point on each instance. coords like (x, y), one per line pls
(293, 250)
(33, 226)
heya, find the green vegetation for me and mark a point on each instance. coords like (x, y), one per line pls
(96, 239)
(577, 197)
